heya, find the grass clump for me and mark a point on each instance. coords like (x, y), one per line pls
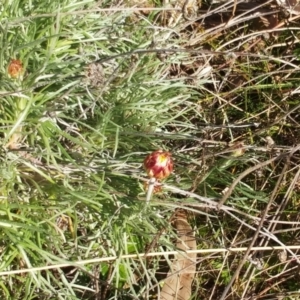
(89, 89)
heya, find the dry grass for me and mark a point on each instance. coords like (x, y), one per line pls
(215, 84)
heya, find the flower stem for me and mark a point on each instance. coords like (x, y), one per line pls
(150, 189)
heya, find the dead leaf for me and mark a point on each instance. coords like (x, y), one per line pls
(178, 284)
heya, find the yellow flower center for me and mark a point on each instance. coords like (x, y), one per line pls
(162, 160)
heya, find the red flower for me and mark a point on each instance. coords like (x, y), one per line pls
(15, 68)
(159, 164)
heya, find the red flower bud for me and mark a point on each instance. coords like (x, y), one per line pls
(159, 164)
(15, 68)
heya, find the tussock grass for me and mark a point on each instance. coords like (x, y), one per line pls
(104, 84)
